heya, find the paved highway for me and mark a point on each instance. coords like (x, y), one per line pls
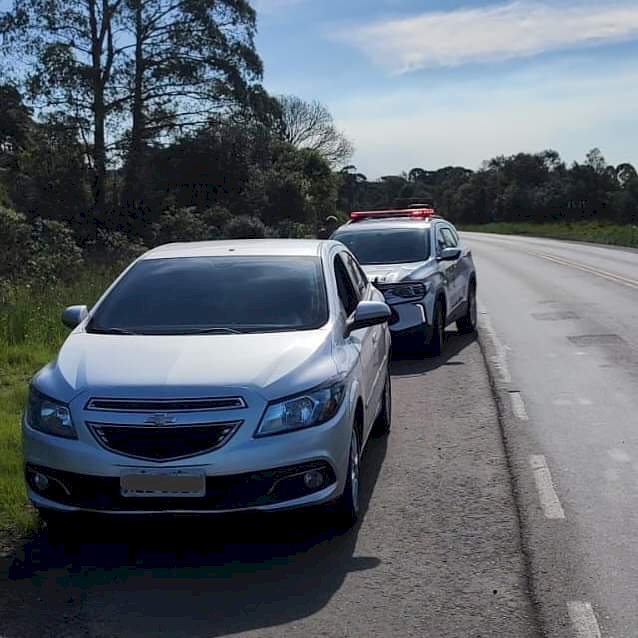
(560, 324)
(446, 548)
(437, 552)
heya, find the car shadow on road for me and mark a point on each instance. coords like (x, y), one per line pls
(408, 362)
(209, 577)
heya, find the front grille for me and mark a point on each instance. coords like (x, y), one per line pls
(163, 443)
(166, 405)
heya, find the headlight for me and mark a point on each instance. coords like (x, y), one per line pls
(404, 290)
(47, 415)
(302, 411)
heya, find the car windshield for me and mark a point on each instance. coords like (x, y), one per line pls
(387, 246)
(196, 295)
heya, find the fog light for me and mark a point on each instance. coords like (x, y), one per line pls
(41, 482)
(313, 479)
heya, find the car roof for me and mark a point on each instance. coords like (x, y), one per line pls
(376, 224)
(245, 247)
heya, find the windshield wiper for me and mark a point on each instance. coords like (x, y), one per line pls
(215, 330)
(111, 331)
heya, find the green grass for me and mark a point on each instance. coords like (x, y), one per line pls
(597, 232)
(30, 334)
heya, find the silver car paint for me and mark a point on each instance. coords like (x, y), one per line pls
(258, 367)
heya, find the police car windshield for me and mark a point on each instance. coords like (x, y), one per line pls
(387, 246)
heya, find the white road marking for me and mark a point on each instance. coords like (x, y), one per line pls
(625, 281)
(584, 619)
(500, 358)
(518, 406)
(545, 487)
(562, 402)
(618, 455)
(585, 402)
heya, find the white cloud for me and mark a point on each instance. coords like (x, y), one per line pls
(492, 33)
(474, 121)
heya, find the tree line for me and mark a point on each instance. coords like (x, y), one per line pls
(525, 187)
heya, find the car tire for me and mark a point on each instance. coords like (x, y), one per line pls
(467, 324)
(347, 507)
(437, 341)
(384, 421)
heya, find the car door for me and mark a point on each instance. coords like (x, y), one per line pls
(378, 332)
(349, 297)
(464, 267)
(447, 270)
(456, 279)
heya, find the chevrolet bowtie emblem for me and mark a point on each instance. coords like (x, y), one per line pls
(161, 419)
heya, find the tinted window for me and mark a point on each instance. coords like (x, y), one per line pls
(356, 275)
(345, 287)
(449, 238)
(387, 246)
(247, 294)
(440, 240)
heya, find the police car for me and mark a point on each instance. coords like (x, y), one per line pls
(426, 273)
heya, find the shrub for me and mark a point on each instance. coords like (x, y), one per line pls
(245, 227)
(15, 233)
(189, 224)
(40, 253)
(216, 218)
(113, 248)
(54, 255)
(179, 224)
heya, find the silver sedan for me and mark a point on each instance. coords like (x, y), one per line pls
(214, 377)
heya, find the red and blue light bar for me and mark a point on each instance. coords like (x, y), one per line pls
(411, 213)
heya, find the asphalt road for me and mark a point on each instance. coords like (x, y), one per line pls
(560, 324)
(437, 553)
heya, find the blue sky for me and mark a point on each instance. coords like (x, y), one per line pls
(434, 82)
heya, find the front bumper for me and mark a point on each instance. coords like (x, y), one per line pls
(246, 474)
(277, 489)
(408, 318)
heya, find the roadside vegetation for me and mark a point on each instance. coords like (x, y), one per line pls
(596, 232)
(30, 334)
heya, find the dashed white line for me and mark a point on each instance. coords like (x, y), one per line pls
(545, 486)
(584, 619)
(518, 406)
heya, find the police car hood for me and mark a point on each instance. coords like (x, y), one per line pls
(391, 273)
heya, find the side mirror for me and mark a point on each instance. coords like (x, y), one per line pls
(450, 254)
(74, 315)
(368, 313)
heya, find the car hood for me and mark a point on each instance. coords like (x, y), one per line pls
(390, 273)
(128, 364)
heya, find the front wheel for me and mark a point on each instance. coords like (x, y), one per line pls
(347, 507)
(384, 420)
(467, 324)
(437, 342)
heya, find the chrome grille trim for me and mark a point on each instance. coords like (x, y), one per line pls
(165, 405)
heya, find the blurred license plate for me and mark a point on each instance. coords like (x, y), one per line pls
(163, 483)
